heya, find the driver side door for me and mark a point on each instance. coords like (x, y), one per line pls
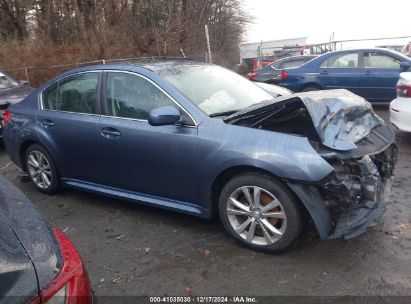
(341, 71)
(136, 156)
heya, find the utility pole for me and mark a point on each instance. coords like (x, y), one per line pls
(26, 70)
(208, 44)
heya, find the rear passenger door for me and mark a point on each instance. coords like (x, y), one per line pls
(68, 119)
(341, 71)
(381, 72)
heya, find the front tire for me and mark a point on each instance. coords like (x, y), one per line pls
(42, 169)
(260, 212)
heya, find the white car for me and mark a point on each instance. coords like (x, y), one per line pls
(400, 108)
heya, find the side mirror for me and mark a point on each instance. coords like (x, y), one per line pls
(163, 116)
(405, 65)
(23, 82)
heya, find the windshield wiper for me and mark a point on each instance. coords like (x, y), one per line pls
(225, 113)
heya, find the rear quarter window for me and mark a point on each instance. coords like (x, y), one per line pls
(49, 97)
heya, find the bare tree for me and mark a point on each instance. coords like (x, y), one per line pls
(66, 30)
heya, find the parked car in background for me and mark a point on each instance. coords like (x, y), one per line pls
(202, 140)
(369, 73)
(272, 73)
(400, 108)
(274, 90)
(11, 91)
(38, 264)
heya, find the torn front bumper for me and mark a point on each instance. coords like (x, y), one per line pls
(362, 191)
(353, 198)
(348, 223)
(355, 221)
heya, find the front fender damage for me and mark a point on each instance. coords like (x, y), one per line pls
(311, 197)
(345, 131)
(353, 198)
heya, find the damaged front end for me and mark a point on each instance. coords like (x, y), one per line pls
(345, 131)
(358, 192)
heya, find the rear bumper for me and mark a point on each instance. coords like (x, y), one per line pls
(400, 113)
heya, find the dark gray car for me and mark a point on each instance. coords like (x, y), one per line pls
(11, 92)
(272, 73)
(37, 262)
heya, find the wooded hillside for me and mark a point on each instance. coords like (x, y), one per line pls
(48, 32)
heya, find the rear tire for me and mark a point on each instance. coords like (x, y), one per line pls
(42, 169)
(260, 212)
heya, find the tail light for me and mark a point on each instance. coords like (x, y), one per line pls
(284, 75)
(6, 117)
(72, 285)
(404, 90)
(252, 75)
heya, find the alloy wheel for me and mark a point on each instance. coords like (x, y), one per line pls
(39, 169)
(256, 215)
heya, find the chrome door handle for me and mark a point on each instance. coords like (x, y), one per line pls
(47, 123)
(110, 132)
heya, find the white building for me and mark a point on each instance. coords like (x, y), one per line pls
(251, 50)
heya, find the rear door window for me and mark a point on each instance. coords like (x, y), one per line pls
(292, 64)
(50, 97)
(77, 94)
(341, 61)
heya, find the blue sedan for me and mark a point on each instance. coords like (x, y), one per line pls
(202, 140)
(369, 73)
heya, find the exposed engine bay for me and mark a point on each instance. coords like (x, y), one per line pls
(343, 128)
(359, 191)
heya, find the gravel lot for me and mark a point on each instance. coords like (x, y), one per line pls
(131, 249)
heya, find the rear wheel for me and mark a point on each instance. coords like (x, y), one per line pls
(42, 169)
(260, 212)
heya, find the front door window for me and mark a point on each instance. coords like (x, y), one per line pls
(375, 60)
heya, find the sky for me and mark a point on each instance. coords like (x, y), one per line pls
(318, 19)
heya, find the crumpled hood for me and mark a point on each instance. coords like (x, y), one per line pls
(14, 95)
(340, 117)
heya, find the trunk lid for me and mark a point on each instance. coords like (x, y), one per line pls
(32, 242)
(15, 94)
(18, 281)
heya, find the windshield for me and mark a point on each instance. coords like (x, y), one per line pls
(6, 82)
(214, 89)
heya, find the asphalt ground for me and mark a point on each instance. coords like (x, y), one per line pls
(130, 249)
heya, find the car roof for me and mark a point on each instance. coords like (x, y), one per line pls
(153, 65)
(297, 57)
(150, 64)
(365, 50)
